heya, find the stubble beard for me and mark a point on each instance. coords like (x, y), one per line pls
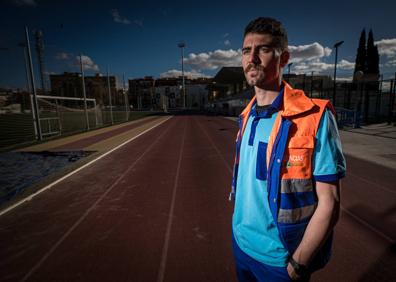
(259, 76)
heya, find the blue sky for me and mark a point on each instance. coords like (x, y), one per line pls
(140, 38)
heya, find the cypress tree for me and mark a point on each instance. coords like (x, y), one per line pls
(372, 55)
(360, 62)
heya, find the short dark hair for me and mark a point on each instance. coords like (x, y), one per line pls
(266, 25)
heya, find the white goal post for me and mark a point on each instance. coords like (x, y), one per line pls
(58, 114)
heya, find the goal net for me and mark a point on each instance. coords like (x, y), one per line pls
(62, 115)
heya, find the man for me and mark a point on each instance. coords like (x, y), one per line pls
(287, 168)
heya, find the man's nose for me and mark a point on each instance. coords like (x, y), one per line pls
(254, 57)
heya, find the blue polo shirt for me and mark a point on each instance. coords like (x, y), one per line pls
(254, 228)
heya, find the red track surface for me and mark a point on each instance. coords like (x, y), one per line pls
(157, 210)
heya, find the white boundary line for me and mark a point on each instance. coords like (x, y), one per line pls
(164, 256)
(30, 197)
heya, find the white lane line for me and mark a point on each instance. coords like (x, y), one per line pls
(76, 170)
(366, 224)
(371, 182)
(161, 271)
(216, 148)
(88, 211)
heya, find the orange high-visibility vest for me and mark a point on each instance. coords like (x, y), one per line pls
(291, 193)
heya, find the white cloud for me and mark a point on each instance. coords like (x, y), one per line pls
(177, 73)
(305, 58)
(31, 3)
(345, 65)
(227, 42)
(391, 63)
(387, 47)
(318, 66)
(88, 63)
(214, 60)
(63, 56)
(225, 35)
(117, 17)
(308, 52)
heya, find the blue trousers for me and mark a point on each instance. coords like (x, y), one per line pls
(251, 270)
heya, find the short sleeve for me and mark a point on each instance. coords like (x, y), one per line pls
(328, 159)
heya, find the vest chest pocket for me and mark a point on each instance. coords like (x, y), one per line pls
(261, 166)
(297, 161)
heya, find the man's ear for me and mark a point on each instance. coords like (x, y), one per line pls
(284, 58)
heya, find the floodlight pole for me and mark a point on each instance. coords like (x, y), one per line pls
(25, 53)
(35, 110)
(84, 93)
(338, 44)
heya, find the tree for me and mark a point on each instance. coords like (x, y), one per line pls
(372, 57)
(360, 63)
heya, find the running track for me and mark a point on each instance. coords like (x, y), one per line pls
(157, 210)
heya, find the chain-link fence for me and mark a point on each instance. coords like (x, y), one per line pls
(59, 117)
(357, 103)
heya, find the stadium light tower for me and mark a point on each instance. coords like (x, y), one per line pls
(36, 116)
(338, 44)
(181, 45)
(84, 93)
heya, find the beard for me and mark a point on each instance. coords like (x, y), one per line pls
(257, 78)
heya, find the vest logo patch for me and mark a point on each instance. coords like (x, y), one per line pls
(295, 160)
(290, 164)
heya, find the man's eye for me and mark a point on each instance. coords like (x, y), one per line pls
(245, 52)
(264, 50)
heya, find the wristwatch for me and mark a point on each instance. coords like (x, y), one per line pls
(300, 269)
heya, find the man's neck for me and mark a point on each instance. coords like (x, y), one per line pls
(265, 96)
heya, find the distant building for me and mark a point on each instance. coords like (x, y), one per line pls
(14, 100)
(141, 92)
(309, 83)
(227, 82)
(70, 85)
(167, 93)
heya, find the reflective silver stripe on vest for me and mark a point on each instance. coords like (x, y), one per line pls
(296, 185)
(294, 215)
